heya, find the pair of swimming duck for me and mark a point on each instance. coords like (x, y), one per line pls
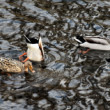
(35, 52)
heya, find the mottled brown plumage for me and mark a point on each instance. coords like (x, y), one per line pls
(13, 66)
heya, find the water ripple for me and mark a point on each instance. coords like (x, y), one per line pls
(67, 79)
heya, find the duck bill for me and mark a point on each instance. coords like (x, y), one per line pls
(26, 69)
(31, 69)
(41, 47)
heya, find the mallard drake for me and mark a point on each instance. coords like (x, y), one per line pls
(93, 42)
(35, 51)
(8, 65)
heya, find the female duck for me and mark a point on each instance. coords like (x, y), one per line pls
(8, 65)
(95, 42)
(35, 51)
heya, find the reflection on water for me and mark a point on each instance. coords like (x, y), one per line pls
(68, 80)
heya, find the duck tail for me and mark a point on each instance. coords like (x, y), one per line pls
(27, 39)
(79, 39)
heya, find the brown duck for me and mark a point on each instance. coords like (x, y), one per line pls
(8, 65)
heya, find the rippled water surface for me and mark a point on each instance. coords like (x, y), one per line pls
(67, 80)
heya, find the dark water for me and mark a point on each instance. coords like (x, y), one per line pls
(70, 81)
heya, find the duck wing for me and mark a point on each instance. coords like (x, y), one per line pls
(41, 46)
(10, 65)
(97, 40)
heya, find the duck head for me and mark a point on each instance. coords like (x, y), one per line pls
(79, 39)
(28, 65)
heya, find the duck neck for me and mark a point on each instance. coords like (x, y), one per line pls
(25, 68)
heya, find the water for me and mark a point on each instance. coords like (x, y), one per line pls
(67, 80)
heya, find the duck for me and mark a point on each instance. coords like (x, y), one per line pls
(35, 51)
(8, 65)
(93, 42)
